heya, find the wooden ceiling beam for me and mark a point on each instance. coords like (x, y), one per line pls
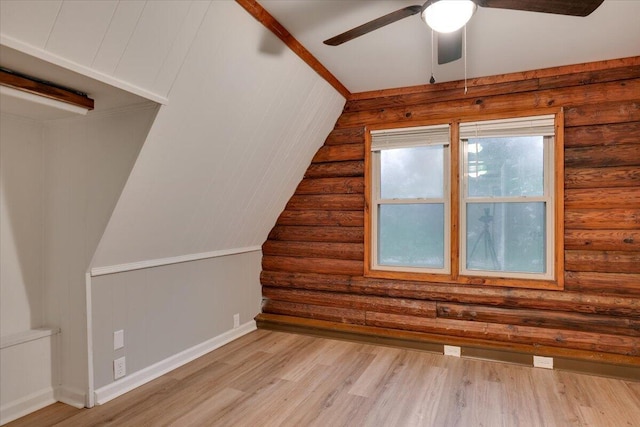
(266, 19)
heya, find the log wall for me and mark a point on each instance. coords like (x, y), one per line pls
(313, 258)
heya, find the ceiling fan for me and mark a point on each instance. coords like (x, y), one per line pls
(448, 17)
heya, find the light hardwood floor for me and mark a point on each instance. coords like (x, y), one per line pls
(271, 378)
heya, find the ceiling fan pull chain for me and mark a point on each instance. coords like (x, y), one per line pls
(465, 59)
(432, 80)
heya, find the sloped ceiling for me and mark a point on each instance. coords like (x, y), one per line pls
(221, 160)
(134, 45)
(498, 41)
(139, 45)
(243, 115)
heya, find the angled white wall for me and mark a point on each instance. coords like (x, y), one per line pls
(88, 160)
(225, 155)
(245, 118)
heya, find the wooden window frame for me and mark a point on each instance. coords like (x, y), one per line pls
(378, 201)
(455, 158)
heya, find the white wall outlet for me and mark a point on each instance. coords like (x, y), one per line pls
(236, 320)
(452, 350)
(543, 362)
(119, 368)
(118, 339)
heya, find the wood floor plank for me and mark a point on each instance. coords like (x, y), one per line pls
(282, 401)
(270, 378)
(342, 412)
(338, 380)
(635, 390)
(427, 399)
(594, 413)
(192, 392)
(208, 411)
(399, 394)
(50, 415)
(377, 373)
(328, 354)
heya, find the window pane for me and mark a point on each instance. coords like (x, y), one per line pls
(415, 172)
(506, 237)
(510, 167)
(411, 235)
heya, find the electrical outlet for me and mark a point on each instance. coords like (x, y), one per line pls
(118, 339)
(452, 350)
(236, 320)
(543, 362)
(119, 368)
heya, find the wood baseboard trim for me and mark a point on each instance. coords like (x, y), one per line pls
(290, 324)
(592, 363)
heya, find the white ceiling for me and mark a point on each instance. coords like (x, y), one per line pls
(499, 41)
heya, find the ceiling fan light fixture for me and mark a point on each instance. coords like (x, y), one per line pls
(447, 16)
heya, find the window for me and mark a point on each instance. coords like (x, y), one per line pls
(478, 210)
(506, 198)
(411, 199)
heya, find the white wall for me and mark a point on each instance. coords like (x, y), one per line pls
(21, 219)
(88, 160)
(169, 309)
(225, 155)
(244, 120)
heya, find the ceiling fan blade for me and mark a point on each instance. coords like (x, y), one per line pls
(560, 7)
(449, 46)
(373, 25)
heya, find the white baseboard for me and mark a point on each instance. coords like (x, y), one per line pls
(130, 382)
(71, 396)
(19, 408)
